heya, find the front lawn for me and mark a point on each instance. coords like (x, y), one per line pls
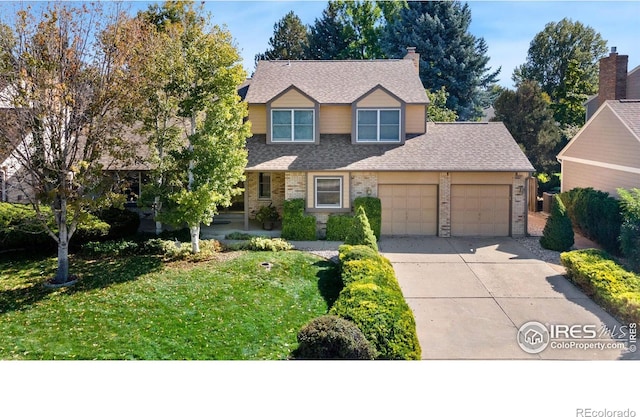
(141, 308)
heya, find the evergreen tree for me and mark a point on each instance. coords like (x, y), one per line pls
(527, 115)
(329, 37)
(361, 232)
(558, 232)
(289, 40)
(450, 56)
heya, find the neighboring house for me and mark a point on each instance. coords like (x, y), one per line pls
(605, 153)
(614, 82)
(331, 131)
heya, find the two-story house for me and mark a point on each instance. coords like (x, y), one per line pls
(331, 131)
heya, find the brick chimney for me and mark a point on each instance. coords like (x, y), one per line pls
(415, 57)
(613, 77)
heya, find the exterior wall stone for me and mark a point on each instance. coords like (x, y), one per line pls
(277, 192)
(364, 184)
(444, 208)
(295, 185)
(519, 209)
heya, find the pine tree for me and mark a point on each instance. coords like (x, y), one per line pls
(450, 56)
(558, 232)
(329, 37)
(361, 232)
(289, 40)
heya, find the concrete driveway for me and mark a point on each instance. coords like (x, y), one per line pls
(471, 295)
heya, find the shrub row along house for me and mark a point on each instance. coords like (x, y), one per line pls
(605, 153)
(331, 131)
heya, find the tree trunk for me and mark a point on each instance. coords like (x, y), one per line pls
(62, 274)
(195, 238)
(156, 203)
(195, 230)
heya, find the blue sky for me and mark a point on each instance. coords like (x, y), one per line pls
(507, 26)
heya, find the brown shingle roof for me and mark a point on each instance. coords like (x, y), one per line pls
(337, 82)
(629, 112)
(445, 147)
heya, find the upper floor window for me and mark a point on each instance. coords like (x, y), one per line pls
(292, 126)
(377, 125)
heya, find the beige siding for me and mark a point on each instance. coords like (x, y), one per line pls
(408, 178)
(416, 118)
(291, 99)
(577, 175)
(606, 140)
(258, 118)
(633, 84)
(480, 210)
(409, 209)
(378, 98)
(335, 119)
(483, 178)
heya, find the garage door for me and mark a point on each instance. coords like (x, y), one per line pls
(480, 210)
(409, 209)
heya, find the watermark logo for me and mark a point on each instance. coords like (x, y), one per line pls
(533, 337)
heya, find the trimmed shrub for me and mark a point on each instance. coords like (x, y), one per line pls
(338, 226)
(267, 244)
(558, 232)
(383, 316)
(351, 252)
(109, 248)
(123, 223)
(378, 271)
(373, 207)
(361, 233)
(19, 228)
(373, 300)
(295, 224)
(630, 230)
(331, 337)
(596, 215)
(609, 284)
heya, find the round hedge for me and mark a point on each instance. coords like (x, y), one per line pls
(331, 337)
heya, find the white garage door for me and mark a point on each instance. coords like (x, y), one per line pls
(480, 210)
(409, 209)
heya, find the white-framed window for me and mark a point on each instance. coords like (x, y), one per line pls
(292, 125)
(328, 192)
(378, 125)
(264, 185)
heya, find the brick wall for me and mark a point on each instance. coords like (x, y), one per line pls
(519, 209)
(364, 184)
(444, 208)
(296, 185)
(277, 192)
(613, 78)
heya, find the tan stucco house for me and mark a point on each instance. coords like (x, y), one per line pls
(605, 153)
(331, 131)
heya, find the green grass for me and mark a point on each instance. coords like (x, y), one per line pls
(140, 308)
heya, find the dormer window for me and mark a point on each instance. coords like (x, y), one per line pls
(378, 125)
(292, 125)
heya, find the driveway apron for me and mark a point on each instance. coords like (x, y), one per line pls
(471, 295)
